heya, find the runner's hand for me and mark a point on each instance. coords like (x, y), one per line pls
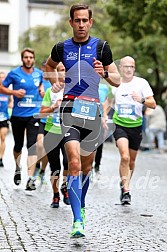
(19, 93)
(57, 87)
(104, 123)
(98, 67)
(136, 97)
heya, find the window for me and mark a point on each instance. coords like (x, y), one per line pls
(4, 37)
(46, 1)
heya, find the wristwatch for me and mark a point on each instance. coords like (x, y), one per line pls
(143, 100)
(105, 75)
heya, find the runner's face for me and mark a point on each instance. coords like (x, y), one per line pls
(127, 68)
(28, 60)
(81, 25)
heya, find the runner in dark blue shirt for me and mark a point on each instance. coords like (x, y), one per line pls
(86, 59)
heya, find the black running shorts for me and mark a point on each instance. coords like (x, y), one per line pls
(134, 135)
(85, 131)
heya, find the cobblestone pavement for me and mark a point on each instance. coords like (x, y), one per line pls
(27, 223)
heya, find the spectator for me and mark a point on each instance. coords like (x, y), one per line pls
(156, 127)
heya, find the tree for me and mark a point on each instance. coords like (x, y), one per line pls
(133, 27)
(144, 24)
(37, 38)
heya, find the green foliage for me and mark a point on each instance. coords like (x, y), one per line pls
(37, 38)
(144, 23)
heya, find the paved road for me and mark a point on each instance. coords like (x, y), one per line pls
(27, 223)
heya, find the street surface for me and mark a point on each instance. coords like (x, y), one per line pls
(27, 223)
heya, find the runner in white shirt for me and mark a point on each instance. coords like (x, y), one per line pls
(129, 99)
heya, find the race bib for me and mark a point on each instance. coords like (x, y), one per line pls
(84, 109)
(56, 119)
(2, 116)
(29, 101)
(126, 109)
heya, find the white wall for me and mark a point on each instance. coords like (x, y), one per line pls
(20, 16)
(43, 17)
(10, 16)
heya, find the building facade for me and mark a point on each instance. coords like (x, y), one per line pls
(17, 16)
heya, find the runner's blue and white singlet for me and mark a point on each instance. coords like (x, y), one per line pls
(81, 78)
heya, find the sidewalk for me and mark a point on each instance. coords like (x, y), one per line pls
(27, 223)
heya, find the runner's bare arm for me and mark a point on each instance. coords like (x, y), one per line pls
(113, 74)
(51, 74)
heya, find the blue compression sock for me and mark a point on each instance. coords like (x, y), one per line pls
(85, 186)
(74, 188)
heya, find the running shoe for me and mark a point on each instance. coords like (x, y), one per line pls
(17, 176)
(30, 185)
(63, 190)
(126, 198)
(83, 215)
(77, 229)
(55, 202)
